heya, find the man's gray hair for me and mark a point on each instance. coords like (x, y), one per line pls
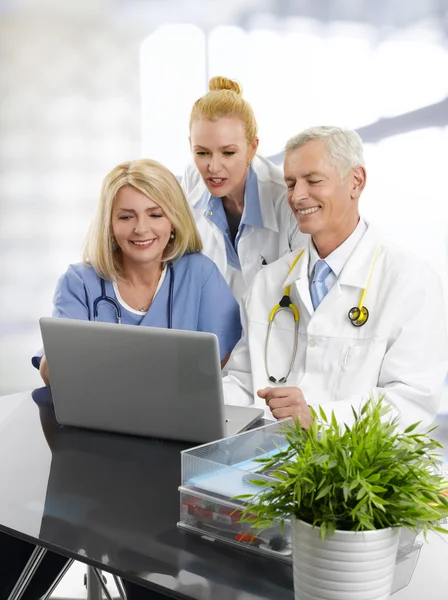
(344, 146)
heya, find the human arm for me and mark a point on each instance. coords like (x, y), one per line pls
(69, 302)
(237, 384)
(225, 360)
(219, 311)
(43, 370)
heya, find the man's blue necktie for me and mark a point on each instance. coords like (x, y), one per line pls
(318, 288)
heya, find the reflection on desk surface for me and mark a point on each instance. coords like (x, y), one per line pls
(113, 499)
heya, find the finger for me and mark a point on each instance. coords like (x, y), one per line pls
(305, 417)
(262, 393)
(274, 403)
(283, 413)
(282, 392)
(293, 398)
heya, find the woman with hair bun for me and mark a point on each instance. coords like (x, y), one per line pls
(238, 198)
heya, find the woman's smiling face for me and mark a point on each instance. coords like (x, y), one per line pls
(140, 227)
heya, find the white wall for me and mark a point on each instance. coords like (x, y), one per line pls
(70, 88)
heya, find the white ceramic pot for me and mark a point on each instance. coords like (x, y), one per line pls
(345, 566)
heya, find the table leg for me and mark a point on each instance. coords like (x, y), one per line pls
(100, 579)
(27, 574)
(120, 587)
(93, 585)
(58, 580)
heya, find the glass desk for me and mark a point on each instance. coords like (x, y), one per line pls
(112, 501)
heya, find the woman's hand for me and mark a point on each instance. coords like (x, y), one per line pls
(224, 360)
(43, 370)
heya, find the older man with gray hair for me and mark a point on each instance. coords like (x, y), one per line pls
(346, 317)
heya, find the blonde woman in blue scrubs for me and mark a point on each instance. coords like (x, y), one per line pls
(143, 253)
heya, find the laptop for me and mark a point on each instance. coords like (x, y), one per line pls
(146, 381)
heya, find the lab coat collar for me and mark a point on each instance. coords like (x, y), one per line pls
(339, 257)
(300, 270)
(261, 168)
(299, 276)
(203, 200)
(252, 212)
(357, 269)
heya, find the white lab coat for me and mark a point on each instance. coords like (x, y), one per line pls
(278, 236)
(402, 350)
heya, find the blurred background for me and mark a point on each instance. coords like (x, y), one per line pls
(87, 84)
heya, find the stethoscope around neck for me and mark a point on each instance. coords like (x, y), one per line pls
(358, 316)
(117, 307)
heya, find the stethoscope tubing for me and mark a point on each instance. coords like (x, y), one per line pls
(117, 307)
(358, 316)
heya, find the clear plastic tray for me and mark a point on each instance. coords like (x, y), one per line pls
(220, 520)
(407, 558)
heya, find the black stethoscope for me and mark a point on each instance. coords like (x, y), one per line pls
(358, 317)
(117, 307)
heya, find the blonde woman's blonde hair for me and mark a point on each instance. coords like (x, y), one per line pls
(224, 99)
(157, 183)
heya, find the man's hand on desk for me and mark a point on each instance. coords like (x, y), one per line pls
(43, 370)
(287, 402)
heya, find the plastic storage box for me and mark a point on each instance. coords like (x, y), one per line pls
(213, 474)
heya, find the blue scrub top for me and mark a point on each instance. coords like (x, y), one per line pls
(202, 301)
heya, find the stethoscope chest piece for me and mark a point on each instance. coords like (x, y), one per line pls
(358, 316)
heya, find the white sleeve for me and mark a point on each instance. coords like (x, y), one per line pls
(238, 385)
(415, 365)
(190, 179)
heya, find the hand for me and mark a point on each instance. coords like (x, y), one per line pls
(287, 402)
(224, 360)
(43, 370)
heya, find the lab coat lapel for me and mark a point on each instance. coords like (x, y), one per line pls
(355, 273)
(196, 193)
(299, 278)
(212, 239)
(357, 269)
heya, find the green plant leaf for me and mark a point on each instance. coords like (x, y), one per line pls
(323, 492)
(362, 492)
(365, 476)
(411, 427)
(323, 415)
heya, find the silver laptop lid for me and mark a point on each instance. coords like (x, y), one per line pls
(145, 381)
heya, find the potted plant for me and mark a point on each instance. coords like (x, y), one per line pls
(348, 491)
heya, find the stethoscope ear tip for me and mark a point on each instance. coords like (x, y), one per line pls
(274, 380)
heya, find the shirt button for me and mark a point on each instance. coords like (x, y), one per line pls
(312, 343)
(210, 213)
